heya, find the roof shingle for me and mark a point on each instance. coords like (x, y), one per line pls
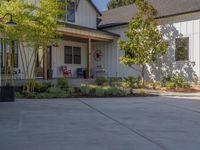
(165, 8)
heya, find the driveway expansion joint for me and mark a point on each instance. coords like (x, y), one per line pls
(133, 131)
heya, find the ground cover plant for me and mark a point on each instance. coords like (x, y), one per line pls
(103, 87)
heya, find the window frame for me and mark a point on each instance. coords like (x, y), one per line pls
(71, 7)
(73, 55)
(68, 55)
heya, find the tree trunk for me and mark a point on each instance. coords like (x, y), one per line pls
(142, 74)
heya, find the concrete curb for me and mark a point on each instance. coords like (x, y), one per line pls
(164, 93)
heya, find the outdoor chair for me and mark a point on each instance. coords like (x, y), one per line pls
(79, 72)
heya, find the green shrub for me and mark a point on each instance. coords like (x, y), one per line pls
(71, 91)
(101, 80)
(99, 91)
(57, 92)
(85, 90)
(62, 83)
(41, 87)
(111, 91)
(130, 82)
(176, 81)
(30, 95)
(18, 95)
(37, 86)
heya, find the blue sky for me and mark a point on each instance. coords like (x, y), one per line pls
(101, 4)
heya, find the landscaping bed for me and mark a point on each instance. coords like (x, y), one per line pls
(103, 87)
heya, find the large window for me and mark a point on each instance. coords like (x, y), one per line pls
(72, 55)
(182, 49)
(68, 55)
(71, 9)
(8, 53)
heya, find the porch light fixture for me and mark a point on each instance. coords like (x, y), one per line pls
(10, 23)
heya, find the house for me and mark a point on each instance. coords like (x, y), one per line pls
(90, 41)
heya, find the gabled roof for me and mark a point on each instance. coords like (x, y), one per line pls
(94, 6)
(166, 8)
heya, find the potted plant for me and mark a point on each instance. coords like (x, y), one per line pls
(49, 74)
(7, 93)
(86, 74)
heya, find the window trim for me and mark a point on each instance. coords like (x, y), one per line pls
(69, 7)
(73, 56)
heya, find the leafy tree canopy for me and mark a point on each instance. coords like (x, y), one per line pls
(144, 40)
(118, 3)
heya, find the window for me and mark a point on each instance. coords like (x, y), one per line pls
(8, 52)
(71, 12)
(68, 55)
(77, 55)
(72, 55)
(182, 49)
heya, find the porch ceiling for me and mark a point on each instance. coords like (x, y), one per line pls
(79, 33)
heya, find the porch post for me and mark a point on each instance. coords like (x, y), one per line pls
(89, 59)
(45, 63)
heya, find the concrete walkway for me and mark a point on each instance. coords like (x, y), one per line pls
(152, 123)
(167, 93)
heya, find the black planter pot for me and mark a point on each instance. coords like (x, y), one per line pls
(49, 74)
(7, 94)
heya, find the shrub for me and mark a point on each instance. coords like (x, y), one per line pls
(71, 91)
(41, 87)
(176, 81)
(62, 83)
(99, 91)
(115, 82)
(18, 95)
(85, 90)
(130, 82)
(111, 91)
(57, 92)
(37, 86)
(30, 95)
(101, 80)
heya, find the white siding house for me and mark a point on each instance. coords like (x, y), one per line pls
(95, 47)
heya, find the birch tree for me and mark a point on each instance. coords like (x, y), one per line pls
(36, 28)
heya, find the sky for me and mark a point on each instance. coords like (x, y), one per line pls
(101, 4)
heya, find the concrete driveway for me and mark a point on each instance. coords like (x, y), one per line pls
(153, 123)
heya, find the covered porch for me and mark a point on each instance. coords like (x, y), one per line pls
(77, 51)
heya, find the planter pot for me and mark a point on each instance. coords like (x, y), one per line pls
(49, 74)
(7, 94)
(86, 74)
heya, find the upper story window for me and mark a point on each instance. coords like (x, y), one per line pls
(182, 49)
(71, 10)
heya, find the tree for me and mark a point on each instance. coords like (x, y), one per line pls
(145, 41)
(118, 3)
(36, 28)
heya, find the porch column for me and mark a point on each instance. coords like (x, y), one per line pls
(89, 58)
(45, 63)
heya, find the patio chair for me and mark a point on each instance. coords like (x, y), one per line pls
(66, 72)
(79, 72)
